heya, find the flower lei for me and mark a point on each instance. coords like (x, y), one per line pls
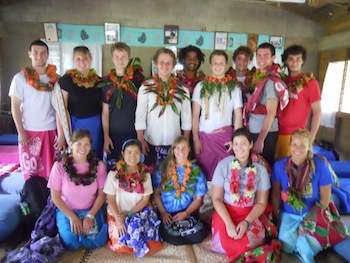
(33, 78)
(191, 173)
(291, 199)
(124, 82)
(235, 185)
(87, 81)
(166, 93)
(131, 182)
(298, 85)
(86, 178)
(212, 84)
(181, 75)
(257, 75)
(245, 86)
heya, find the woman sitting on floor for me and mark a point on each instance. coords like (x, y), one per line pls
(76, 184)
(133, 226)
(240, 195)
(180, 187)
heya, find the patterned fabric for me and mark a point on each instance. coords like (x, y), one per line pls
(188, 231)
(44, 245)
(324, 224)
(141, 227)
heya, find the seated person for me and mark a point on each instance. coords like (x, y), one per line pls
(240, 196)
(303, 182)
(179, 190)
(76, 184)
(133, 226)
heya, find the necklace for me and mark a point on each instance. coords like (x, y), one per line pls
(166, 92)
(191, 173)
(235, 185)
(86, 178)
(190, 84)
(131, 182)
(33, 78)
(297, 86)
(211, 85)
(87, 81)
(245, 86)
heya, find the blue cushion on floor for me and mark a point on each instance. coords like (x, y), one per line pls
(342, 248)
(10, 215)
(11, 183)
(341, 168)
(9, 139)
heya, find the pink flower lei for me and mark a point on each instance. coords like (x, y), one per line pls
(235, 186)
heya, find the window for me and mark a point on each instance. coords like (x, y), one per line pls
(336, 89)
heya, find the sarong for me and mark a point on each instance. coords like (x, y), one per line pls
(94, 126)
(213, 149)
(142, 236)
(188, 231)
(37, 158)
(222, 243)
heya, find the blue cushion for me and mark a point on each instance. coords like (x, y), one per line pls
(10, 215)
(9, 139)
(11, 183)
(321, 151)
(342, 248)
(341, 168)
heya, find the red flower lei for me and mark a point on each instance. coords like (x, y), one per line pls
(235, 186)
(212, 84)
(298, 85)
(33, 78)
(166, 93)
(190, 173)
(131, 182)
(245, 86)
(257, 75)
(87, 81)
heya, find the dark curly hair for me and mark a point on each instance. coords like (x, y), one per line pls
(294, 50)
(190, 48)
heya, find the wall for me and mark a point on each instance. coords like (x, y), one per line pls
(22, 23)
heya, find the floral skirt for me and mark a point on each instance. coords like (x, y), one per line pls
(142, 233)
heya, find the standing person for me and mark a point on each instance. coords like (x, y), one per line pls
(304, 97)
(303, 182)
(240, 195)
(119, 96)
(133, 226)
(179, 190)
(83, 99)
(269, 97)
(241, 57)
(191, 57)
(163, 109)
(76, 184)
(34, 117)
(214, 101)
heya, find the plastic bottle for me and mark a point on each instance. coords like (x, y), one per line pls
(25, 208)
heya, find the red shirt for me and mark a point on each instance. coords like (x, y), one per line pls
(297, 112)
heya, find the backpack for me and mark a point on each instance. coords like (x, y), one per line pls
(33, 199)
(329, 147)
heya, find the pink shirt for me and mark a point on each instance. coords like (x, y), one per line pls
(76, 197)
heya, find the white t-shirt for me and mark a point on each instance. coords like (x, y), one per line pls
(161, 130)
(125, 200)
(37, 111)
(217, 118)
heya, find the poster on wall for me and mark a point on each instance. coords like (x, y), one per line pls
(50, 32)
(253, 41)
(171, 34)
(112, 33)
(220, 41)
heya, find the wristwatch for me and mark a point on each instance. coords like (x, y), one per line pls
(90, 216)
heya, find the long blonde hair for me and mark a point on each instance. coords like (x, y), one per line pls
(170, 160)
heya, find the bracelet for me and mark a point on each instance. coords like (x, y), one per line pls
(90, 216)
(248, 223)
(186, 212)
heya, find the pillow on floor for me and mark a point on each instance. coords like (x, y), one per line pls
(10, 215)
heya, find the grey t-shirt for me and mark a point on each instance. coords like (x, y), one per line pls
(222, 176)
(256, 121)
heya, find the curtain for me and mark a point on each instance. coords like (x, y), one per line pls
(331, 93)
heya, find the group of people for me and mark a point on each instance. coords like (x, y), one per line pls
(153, 125)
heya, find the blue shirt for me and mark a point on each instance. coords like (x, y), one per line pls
(170, 203)
(311, 194)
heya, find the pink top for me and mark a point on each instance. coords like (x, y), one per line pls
(76, 197)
